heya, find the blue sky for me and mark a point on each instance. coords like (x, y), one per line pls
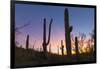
(82, 20)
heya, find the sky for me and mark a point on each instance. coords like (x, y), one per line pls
(82, 20)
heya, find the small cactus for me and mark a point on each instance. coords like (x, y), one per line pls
(40, 49)
(34, 44)
(58, 49)
(76, 46)
(27, 42)
(50, 48)
(33, 47)
(62, 47)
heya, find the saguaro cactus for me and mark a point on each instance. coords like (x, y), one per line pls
(62, 47)
(68, 30)
(76, 46)
(44, 35)
(27, 42)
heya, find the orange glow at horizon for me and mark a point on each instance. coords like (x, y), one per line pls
(57, 42)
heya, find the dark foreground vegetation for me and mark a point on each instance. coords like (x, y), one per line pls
(31, 57)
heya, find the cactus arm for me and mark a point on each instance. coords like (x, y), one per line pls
(49, 32)
(71, 28)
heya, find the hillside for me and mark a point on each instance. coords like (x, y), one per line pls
(31, 57)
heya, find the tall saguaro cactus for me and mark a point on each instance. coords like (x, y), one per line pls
(62, 47)
(44, 35)
(27, 42)
(68, 30)
(76, 46)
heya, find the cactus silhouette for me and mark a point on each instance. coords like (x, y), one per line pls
(40, 49)
(33, 47)
(44, 36)
(68, 30)
(34, 44)
(62, 47)
(76, 46)
(27, 42)
(50, 48)
(58, 49)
